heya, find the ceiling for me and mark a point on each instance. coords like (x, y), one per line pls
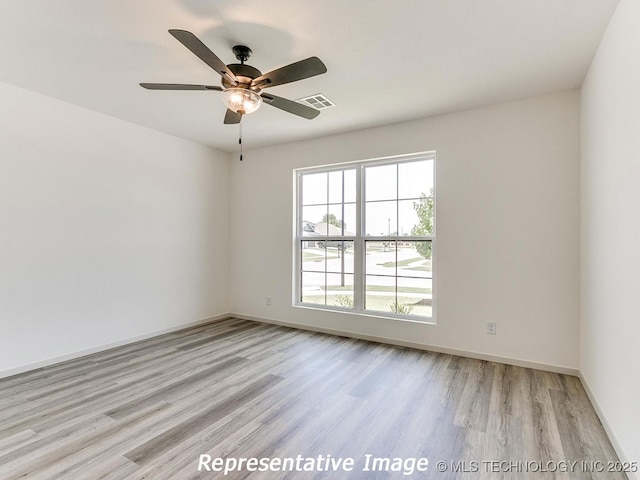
(387, 61)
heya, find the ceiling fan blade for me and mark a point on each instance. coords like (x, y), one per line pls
(232, 117)
(178, 86)
(203, 52)
(309, 67)
(290, 106)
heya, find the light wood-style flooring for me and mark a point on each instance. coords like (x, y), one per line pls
(236, 388)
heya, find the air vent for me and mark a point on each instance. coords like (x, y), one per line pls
(317, 101)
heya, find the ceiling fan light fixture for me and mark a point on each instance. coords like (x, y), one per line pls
(241, 100)
(242, 84)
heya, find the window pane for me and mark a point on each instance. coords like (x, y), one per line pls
(314, 188)
(350, 186)
(415, 178)
(311, 217)
(380, 293)
(335, 187)
(380, 183)
(380, 258)
(381, 218)
(334, 220)
(408, 220)
(380, 279)
(313, 288)
(414, 259)
(339, 256)
(414, 296)
(350, 219)
(313, 256)
(340, 290)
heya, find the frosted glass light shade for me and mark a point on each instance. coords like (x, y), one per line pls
(241, 100)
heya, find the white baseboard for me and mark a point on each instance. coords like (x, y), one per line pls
(419, 346)
(607, 426)
(107, 346)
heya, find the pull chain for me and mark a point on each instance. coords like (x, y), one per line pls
(240, 140)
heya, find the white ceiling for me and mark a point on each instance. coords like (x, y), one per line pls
(388, 61)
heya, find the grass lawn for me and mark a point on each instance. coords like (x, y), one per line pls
(401, 263)
(420, 269)
(316, 257)
(376, 303)
(426, 265)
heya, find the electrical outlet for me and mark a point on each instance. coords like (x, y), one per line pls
(268, 301)
(492, 328)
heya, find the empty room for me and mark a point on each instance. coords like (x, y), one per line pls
(319, 239)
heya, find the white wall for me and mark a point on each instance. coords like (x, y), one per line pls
(610, 228)
(108, 230)
(508, 228)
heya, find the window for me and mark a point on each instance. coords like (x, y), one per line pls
(364, 237)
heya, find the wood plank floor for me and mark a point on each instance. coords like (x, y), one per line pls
(236, 388)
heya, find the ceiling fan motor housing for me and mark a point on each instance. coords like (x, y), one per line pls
(244, 73)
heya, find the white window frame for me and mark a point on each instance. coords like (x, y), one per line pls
(359, 239)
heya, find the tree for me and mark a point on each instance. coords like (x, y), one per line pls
(424, 209)
(332, 220)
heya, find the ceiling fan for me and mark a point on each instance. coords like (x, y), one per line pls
(242, 84)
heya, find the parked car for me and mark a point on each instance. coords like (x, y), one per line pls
(323, 229)
(339, 244)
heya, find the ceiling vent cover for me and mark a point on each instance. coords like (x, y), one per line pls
(317, 101)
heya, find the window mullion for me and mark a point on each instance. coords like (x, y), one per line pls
(358, 245)
(299, 235)
(397, 235)
(326, 245)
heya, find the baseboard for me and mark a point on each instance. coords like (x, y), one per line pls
(107, 346)
(607, 426)
(418, 346)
